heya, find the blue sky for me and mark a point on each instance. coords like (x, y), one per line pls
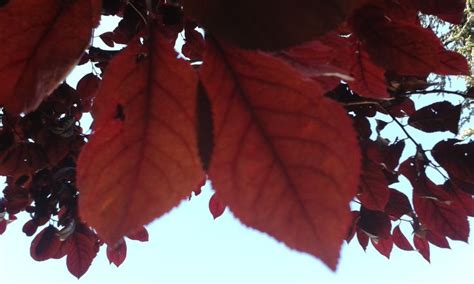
(188, 246)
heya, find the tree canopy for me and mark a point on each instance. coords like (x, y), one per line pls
(282, 105)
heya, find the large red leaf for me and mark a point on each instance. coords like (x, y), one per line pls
(280, 162)
(405, 47)
(142, 159)
(267, 24)
(41, 40)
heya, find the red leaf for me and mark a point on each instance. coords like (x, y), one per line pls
(108, 38)
(275, 146)
(363, 239)
(3, 226)
(280, 23)
(434, 206)
(384, 246)
(42, 40)
(392, 154)
(461, 198)
(437, 239)
(216, 207)
(405, 47)
(46, 244)
(82, 249)
(458, 161)
(422, 246)
(193, 47)
(369, 79)
(448, 10)
(139, 235)
(353, 228)
(320, 60)
(29, 228)
(400, 240)
(87, 89)
(373, 188)
(398, 204)
(142, 159)
(117, 253)
(375, 223)
(22, 159)
(440, 116)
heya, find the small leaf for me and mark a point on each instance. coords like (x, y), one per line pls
(422, 246)
(363, 239)
(46, 244)
(83, 247)
(398, 204)
(373, 188)
(139, 235)
(375, 223)
(215, 206)
(384, 246)
(29, 228)
(434, 206)
(400, 240)
(3, 226)
(117, 253)
(440, 116)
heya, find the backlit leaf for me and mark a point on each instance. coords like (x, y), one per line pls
(422, 246)
(82, 248)
(384, 246)
(400, 240)
(41, 40)
(46, 244)
(373, 187)
(280, 162)
(215, 206)
(434, 206)
(142, 159)
(405, 47)
(117, 253)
